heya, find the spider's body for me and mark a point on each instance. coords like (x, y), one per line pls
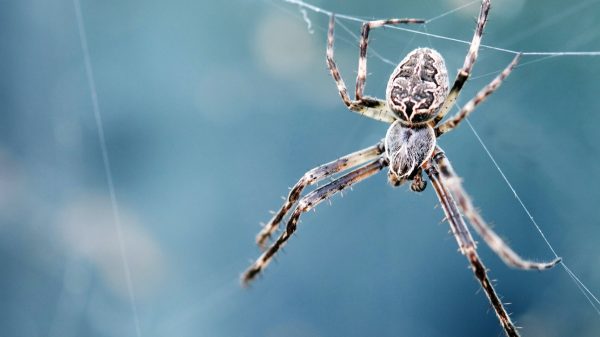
(417, 100)
(418, 86)
(416, 89)
(406, 149)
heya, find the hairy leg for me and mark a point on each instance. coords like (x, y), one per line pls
(307, 203)
(453, 122)
(361, 77)
(469, 249)
(366, 106)
(313, 176)
(453, 184)
(465, 71)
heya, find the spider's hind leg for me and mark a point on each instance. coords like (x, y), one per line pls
(481, 96)
(366, 106)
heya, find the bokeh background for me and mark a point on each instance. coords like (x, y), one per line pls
(212, 109)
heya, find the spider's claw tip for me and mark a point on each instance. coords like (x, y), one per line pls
(246, 278)
(555, 262)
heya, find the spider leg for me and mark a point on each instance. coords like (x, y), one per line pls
(450, 124)
(307, 203)
(465, 71)
(469, 248)
(452, 182)
(366, 106)
(313, 176)
(361, 77)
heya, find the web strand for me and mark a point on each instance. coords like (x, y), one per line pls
(107, 167)
(584, 290)
(520, 65)
(589, 295)
(372, 51)
(302, 4)
(453, 10)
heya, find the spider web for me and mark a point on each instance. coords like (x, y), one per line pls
(303, 12)
(107, 166)
(304, 7)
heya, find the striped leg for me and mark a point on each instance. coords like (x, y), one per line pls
(307, 203)
(366, 106)
(452, 182)
(361, 77)
(450, 124)
(465, 71)
(313, 176)
(469, 249)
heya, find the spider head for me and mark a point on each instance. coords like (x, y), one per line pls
(418, 86)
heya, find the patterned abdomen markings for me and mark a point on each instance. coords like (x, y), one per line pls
(418, 86)
(408, 148)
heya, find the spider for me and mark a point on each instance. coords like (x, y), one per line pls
(416, 101)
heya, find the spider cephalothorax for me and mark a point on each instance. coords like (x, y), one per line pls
(406, 149)
(417, 99)
(418, 86)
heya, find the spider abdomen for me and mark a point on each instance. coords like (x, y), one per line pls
(418, 86)
(407, 148)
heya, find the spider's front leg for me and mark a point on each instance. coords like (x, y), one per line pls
(314, 176)
(307, 203)
(468, 248)
(452, 182)
(366, 106)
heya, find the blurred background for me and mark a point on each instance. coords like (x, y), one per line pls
(211, 110)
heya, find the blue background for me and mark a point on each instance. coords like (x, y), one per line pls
(212, 109)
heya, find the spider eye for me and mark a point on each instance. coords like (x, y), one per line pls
(418, 86)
